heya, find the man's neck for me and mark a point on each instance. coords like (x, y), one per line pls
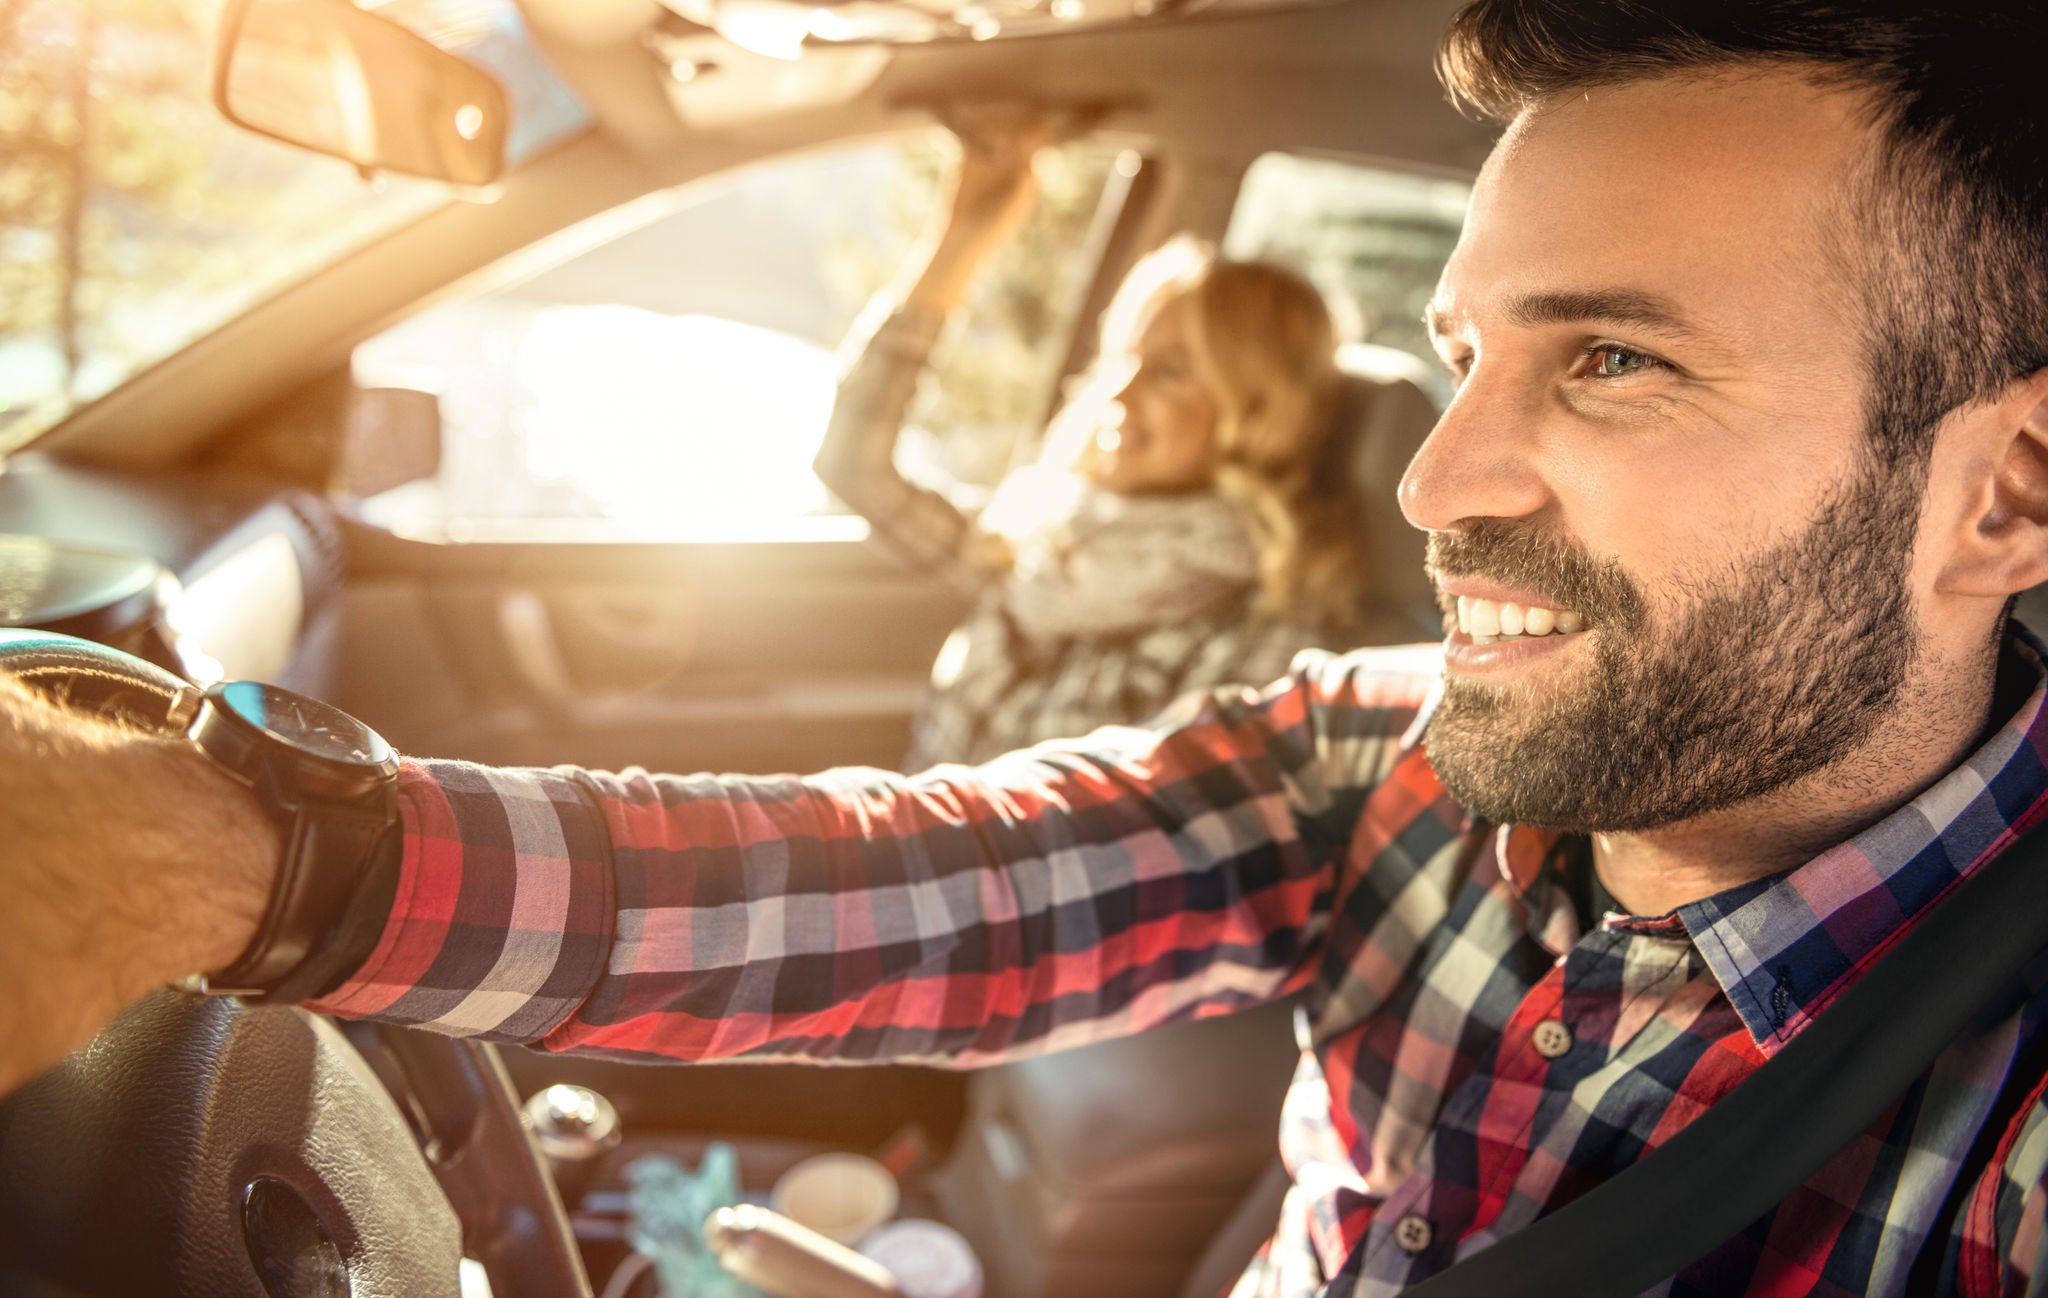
(1934, 728)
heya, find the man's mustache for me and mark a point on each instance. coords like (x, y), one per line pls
(1532, 558)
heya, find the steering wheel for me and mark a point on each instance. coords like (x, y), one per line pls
(207, 1147)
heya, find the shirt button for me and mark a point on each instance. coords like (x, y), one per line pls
(1551, 1039)
(1412, 1233)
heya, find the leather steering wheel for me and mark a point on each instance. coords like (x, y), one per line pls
(206, 1147)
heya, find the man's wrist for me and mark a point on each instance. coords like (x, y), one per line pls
(208, 862)
(129, 861)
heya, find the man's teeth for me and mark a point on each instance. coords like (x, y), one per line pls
(1487, 620)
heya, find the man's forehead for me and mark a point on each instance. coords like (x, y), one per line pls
(1658, 202)
(1762, 120)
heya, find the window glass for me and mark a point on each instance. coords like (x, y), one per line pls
(667, 371)
(1373, 238)
(134, 219)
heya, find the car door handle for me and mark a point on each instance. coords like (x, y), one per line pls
(528, 630)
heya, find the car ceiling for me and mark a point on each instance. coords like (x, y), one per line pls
(1211, 90)
(1218, 72)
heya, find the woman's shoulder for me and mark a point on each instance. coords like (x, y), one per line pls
(1201, 531)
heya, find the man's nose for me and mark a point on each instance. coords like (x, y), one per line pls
(1477, 462)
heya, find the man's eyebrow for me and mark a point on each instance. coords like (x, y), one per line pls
(1629, 308)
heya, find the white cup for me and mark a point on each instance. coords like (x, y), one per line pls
(841, 1196)
(929, 1260)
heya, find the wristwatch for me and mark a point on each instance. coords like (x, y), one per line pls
(330, 784)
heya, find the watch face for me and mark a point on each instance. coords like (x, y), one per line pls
(306, 724)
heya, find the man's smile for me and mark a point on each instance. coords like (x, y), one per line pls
(1491, 627)
(1487, 620)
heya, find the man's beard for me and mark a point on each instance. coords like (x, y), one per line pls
(1766, 675)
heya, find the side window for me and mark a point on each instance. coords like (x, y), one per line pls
(135, 220)
(670, 377)
(1373, 238)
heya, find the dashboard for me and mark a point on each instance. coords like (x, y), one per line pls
(212, 576)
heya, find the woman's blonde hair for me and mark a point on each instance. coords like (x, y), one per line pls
(1265, 343)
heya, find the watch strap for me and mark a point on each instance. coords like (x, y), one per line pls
(327, 849)
(350, 942)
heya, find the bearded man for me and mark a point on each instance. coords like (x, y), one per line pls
(1748, 459)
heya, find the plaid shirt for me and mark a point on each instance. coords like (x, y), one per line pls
(1471, 1058)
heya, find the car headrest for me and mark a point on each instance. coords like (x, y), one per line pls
(1387, 409)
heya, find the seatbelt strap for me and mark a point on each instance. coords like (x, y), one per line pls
(1780, 1125)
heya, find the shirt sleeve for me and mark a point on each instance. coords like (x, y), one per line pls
(1056, 896)
(857, 458)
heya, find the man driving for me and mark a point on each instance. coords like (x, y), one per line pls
(1748, 459)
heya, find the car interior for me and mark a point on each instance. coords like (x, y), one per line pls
(498, 466)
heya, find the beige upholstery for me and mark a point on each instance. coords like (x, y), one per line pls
(1390, 411)
(1106, 1172)
(1240, 1238)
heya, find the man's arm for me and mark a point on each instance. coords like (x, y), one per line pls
(126, 861)
(1052, 897)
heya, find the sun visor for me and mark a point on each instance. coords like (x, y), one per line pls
(713, 82)
(791, 30)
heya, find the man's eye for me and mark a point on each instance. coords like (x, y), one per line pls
(1611, 361)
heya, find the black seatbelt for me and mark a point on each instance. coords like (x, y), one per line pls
(1739, 1159)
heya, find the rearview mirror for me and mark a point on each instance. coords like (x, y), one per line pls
(327, 76)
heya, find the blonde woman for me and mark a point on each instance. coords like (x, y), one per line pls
(1191, 522)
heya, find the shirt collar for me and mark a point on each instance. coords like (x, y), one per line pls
(1783, 947)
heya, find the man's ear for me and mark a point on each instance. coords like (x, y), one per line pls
(2006, 549)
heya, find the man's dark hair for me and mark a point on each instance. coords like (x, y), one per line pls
(1945, 235)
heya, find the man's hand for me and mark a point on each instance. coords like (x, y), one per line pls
(126, 861)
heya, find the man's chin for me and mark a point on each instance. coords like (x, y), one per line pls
(1599, 771)
(1509, 758)
(1491, 795)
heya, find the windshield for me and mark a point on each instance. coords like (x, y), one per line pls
(665, 371)
(134, 219)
